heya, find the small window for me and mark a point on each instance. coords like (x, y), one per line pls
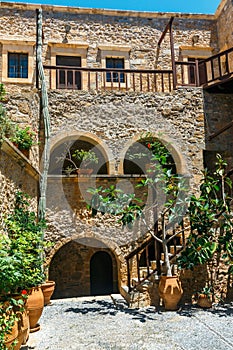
(116, 63)
(68, 78)
(17, 65)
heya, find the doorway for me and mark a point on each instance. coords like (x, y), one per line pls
(101, 274)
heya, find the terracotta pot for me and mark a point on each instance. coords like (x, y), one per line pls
(170, 291)
(48, 289)
(84, 171)
(24, 327)
(35, 305)
(10, 338)
(25, 152)
(204, 301)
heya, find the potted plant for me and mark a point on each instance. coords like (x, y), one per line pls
(86, 159)
(23, 139)
(211, 225)
(79, 160)
(128, 208)
(21, 253)
(204, 297)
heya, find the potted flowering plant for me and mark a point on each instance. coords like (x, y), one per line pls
(23, 139)
(21, 259)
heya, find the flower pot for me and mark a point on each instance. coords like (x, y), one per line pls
(84, 171)
(204, 301)
(12, 336)
(170, 291)
(24, 327)
(48, 289)
(25, 152)
(35, 305)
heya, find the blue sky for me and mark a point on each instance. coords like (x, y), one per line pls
(198, 6)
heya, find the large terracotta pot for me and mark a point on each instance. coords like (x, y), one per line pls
(35, 305)
(24, 327)
(170, 291)
(48, 289)
(10, 338)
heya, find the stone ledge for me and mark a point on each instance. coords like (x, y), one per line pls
(20, 159)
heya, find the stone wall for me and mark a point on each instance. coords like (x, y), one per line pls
(218, 114)
(23, 108)
(140, 32)
(224, 25)
(16, 174)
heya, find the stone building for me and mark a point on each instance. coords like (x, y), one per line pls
(111, 77)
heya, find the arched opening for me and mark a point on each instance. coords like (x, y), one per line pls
(141, 156)
(101, 274)
(67, 157)
(79, 270)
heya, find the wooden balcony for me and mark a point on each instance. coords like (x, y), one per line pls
(100, 79)
(215, 74)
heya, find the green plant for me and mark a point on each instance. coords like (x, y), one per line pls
(207, 290)
(24, 138)
(77, 159)
(128, 208)
(211, 221)
(21, 249)
(86, 158)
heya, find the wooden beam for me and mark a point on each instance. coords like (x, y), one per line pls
(165, 30)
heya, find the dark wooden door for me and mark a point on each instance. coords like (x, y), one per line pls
(101, 274)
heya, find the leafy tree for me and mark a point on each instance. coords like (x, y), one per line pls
(211, 221)
(163, 182)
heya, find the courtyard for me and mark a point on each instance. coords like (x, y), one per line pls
(98, 323)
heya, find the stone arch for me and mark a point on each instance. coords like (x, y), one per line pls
(170, 144)
(102, 245)
(66, 136)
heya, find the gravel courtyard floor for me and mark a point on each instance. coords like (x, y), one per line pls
(96, 323)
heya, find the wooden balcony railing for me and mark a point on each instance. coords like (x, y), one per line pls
(217, 67)
(205, 72)
(80, 78)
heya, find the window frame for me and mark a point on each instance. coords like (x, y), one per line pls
(17, 47)
(115, 51)
(76, 49)
(17, 74)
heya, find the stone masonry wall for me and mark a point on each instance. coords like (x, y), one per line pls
(224, 25)
(13, 178)
(140, 31)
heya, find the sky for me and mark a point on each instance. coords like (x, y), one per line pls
(186, 6)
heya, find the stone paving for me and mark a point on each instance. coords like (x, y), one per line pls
(96, 323)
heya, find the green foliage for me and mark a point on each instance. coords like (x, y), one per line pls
(211, 221)
(24, 138)
(161, 179)
(21, 249)
(10, 309)
(86, 157)
(115, 202)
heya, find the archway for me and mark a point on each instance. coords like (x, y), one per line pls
(101, 274)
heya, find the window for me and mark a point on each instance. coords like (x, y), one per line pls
(17, 65)
(70, 55)
(68, 78)
(115, 76)
(115, 57)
